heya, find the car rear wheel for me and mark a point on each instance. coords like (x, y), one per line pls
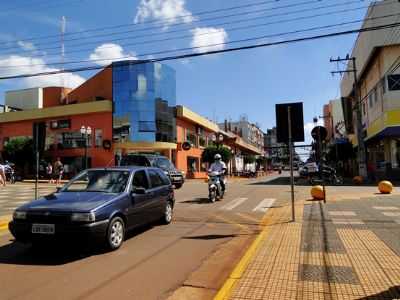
(115, 233)
(168, 212)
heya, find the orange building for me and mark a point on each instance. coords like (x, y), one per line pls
(197, 130)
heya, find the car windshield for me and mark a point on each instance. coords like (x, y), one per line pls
(106, 181)
(164, 163)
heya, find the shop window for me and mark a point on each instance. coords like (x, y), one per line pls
(394, 82)
(98, 137)
(192, 164)
(70, 140)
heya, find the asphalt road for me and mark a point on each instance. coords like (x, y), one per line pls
(198, 250)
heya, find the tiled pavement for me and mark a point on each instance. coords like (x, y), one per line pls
(346, 249)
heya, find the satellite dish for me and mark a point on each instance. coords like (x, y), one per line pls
(186, 146)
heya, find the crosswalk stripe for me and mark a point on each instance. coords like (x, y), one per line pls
(264, 205)
(231, 205)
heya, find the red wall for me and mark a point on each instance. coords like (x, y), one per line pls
(100, 157)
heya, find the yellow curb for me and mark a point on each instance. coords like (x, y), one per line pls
(4, 222)
(237, 273)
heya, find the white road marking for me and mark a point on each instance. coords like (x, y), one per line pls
(342, 213)
(391, 214)
(264, 205)
(347, 221)
(386, 207)
(231, 205)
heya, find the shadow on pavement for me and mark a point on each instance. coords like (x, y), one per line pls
(198, 201)
(285, 180)
(55, 254)
(210, 236)
(391, 293)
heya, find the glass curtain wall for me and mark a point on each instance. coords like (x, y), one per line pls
(144, 97)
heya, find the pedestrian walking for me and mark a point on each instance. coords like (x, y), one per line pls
(49, 173)
(58, 170)
(3, 179)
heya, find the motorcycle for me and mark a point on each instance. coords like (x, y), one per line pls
(328, 175)
(10, 172)
(215, 191)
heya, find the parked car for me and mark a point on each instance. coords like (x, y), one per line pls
(98, 205)
(158, 161)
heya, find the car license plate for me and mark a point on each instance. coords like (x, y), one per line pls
(43, 228)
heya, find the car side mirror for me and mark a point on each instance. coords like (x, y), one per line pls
(139, 190)
(58, 189)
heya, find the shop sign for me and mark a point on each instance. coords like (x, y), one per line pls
(60, 124)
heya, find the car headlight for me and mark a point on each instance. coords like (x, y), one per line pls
(19, 215)
(83, 217)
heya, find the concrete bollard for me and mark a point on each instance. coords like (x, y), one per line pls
(317, 192)
(358, 180)
(385, 187)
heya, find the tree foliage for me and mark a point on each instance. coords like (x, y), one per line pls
(209, 153)
(249, 159)
(19, 151)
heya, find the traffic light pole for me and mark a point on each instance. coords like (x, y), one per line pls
(37, 159)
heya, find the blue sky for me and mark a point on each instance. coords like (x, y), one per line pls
(222, 86)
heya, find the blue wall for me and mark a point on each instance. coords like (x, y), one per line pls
(144, 97)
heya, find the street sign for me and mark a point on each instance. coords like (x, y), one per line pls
(319, 133)
(296, 120)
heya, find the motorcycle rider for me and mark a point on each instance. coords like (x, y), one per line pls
(219, 166)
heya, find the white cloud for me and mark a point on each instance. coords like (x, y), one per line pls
(109, 52)
(209, 39)
(29, 65)
(168, 11)
(26, 45)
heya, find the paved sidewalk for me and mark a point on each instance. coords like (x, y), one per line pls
(345, 249)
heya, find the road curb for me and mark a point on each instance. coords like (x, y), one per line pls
(4, 223)
(239, 269)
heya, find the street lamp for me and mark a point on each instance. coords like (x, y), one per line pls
(86, 132)
(217, 138)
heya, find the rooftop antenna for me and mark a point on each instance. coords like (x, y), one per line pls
(63, 26)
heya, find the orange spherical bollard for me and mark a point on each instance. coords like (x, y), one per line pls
(385, 187)
(357, 179)
(317, 192)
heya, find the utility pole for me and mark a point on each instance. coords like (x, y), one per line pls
(362, 170)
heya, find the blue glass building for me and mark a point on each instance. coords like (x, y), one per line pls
(144, 97)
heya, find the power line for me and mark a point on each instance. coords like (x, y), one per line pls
(162, 24)
(50, 4)
(165, 21)
(192, 55)
(219, 24)
(212, 45)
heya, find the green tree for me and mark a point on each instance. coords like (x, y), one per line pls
(249, 159)
(209, 153)
(19, 151)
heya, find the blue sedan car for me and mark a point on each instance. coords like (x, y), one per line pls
(98, 204)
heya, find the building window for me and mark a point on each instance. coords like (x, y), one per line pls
(383, 85)
(192, 138)
(394, 82)
(145, 126)
(371, 99)
(98, 137)
(202, 141)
